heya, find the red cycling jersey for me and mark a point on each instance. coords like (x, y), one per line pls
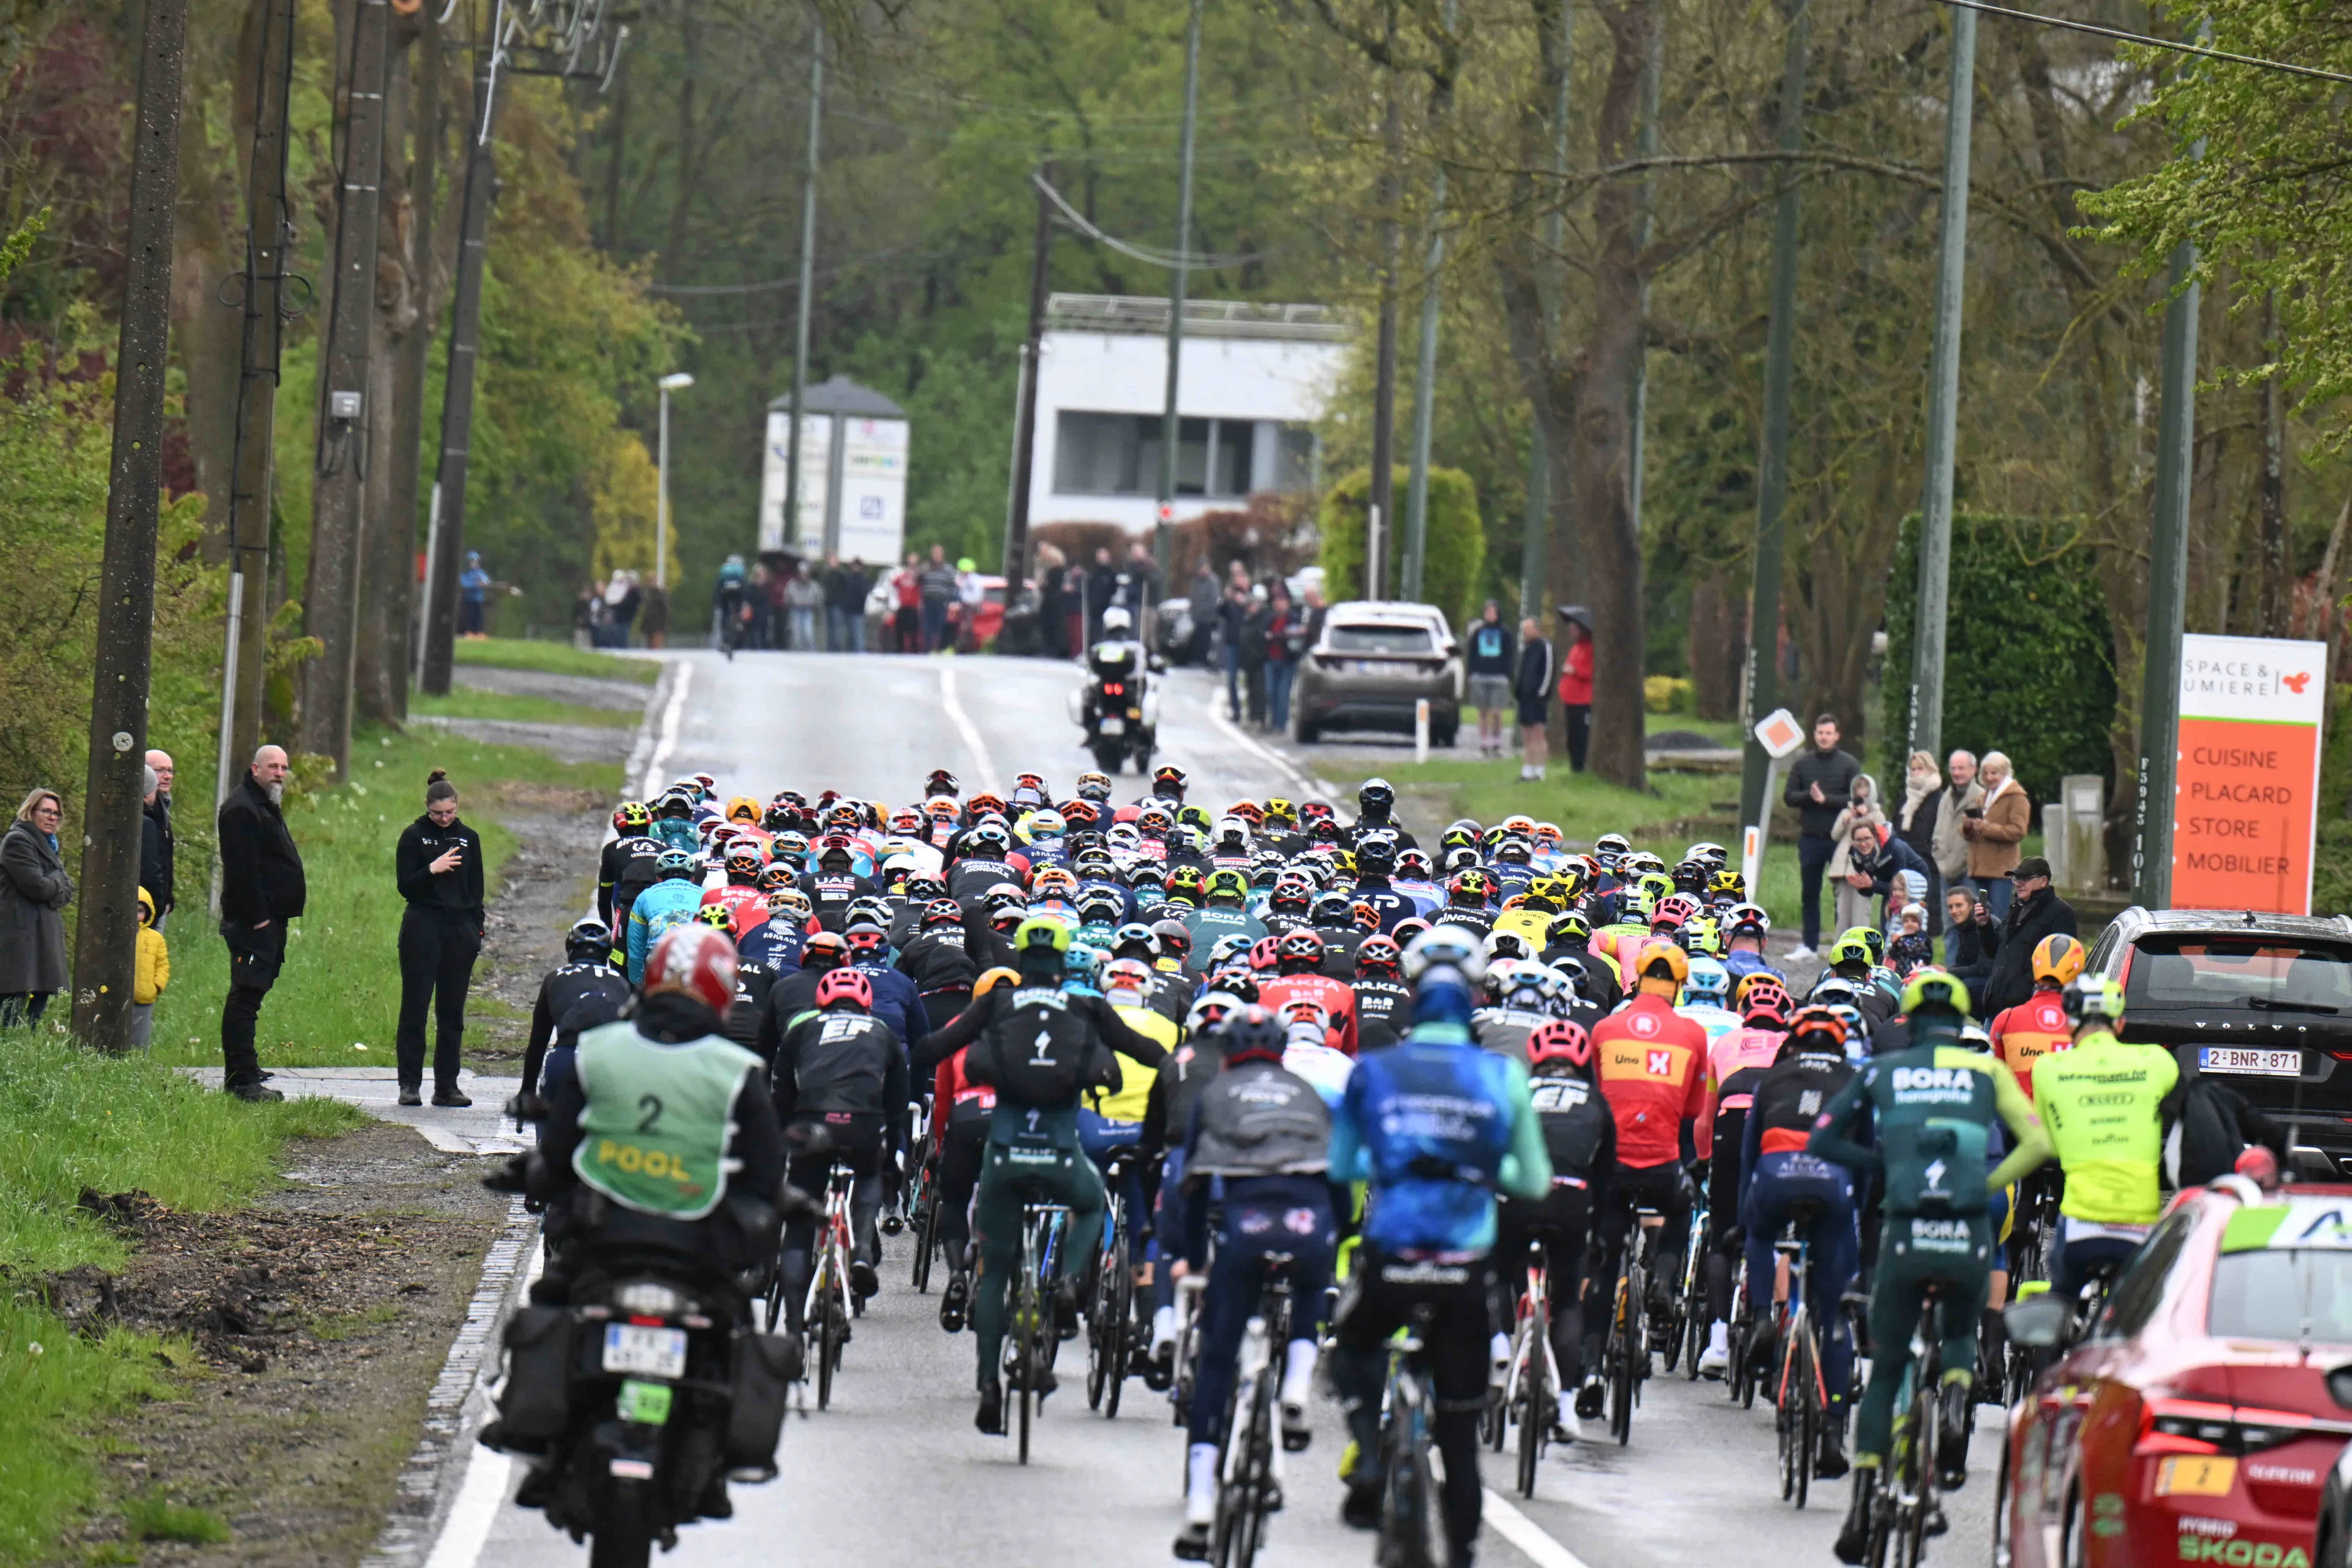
(1652, 1065)
(1336, 997)
(949, 1088)
(2034, 1028)
(746, 906)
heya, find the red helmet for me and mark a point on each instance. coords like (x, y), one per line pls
(846, 984)
(1262, 955)
(1560, 1040)
(825, 950)
(867, 940)
(695, 960)
(1764, 997)
(1298, 947)
(1378, 955)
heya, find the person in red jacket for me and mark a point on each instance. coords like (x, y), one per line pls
(1651, 1064)
(2038, 1025)
(1298, 961)
(1576, 680)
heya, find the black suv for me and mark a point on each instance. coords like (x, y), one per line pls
(2264, 1000)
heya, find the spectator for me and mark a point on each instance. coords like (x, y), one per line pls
(34, 893)
(1993, 831)
(1315, 610)
(1821, 786)
(2035, 912)
(757, 599)
(1233, 615)
(1053, 571)
(1576, 683)
(1252, 660)
(1971, 938)
(656, 612)
(151, 970)
(623, 598)
(845, 587)
(779, 621)
(1862, 810)
(803, 599)
(1879, 865)
(938, 587)
(437, 865)
(970, 595)
(587, 618)
(158, 847)
(1102, 587)
(1532, 688)
(1490, 663)
(1284, 632)
(1202, 601)
(1141, 592)
(1953, 804)
(1923, 803)
(907, 598)
(473, 596)
(261, 889)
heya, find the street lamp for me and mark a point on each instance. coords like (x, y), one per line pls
(678, 381)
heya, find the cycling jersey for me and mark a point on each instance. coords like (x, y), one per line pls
(1579, 1133)
(1652, 1068)
(746, 905)
(1505, 1030)
(1127, 1102)
(1387, 902)
(1532, 925)
(1336, 997)
(2029, 1031)
(657, 910)
(625, 869)
(1933, 1108)
(1211, 926)
(1383, 1008)
(2106, 1105)
(1789, 1100)
(1716, 1021)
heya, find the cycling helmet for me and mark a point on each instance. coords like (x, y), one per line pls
(1262, 956)
(2086, 999)
(1085, 962)
(1043, 824)
(1040, 931)
(825, 950)
(1570, 926)
(742, 808)
(631, 818)
(1135, 936)
(1934, 991)
(1510, 944)
(1251, 1033)
(1303, 949)
(1560, 1040)
(1330, 911)
(791, 846)
(923, 889)
(2057, 960)
(1377, 955)
(940, 913)
(1659, 960)
(1280, 812)
(1832, 991)
(1613, 845)
(1101, 906)
(1127, 975)
(1004, 898)
(1471, 889)
(1167, 781)
(867, 940)
(1188, 882)
(1512, 850)
(1228, 883)
(1872, 940)
(1051, 882)
(718, 915)
(695, 962)
(1709, 983)
(1078, 812)
(1376, 797)
(1728, 884)
(1092, 786)
(1209, 1009)
(1405, 932)
(1292, 893)
(1814, 1023)
(591, 934)
(1445, 947)
(794, 900)
(846, 984)
(991, 979)
(1175, 937)
(1228, 948)
(1851, 948)
(774, 877)
(1761, 997)
(744, 858)
(1305, 1021)
(672, 863)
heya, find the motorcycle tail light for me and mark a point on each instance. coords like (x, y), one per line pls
(1113, 689)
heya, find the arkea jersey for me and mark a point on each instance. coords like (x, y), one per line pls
(1337, 998)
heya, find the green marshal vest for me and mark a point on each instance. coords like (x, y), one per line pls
(654, 1137)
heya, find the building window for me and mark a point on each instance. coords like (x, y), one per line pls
(1222, 459)
(1294, 461)
(1095, 455)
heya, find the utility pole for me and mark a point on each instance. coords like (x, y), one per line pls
(807, 301)
(447, 529)
(269, 228)
(2167, 587)
(1024, 421)
(1772, 479)
(1170, 426)
(1382, 491)
(2273, 619)
(1932, 602)
(339, 510)
(1535, 533)
(106, 938)
(1637, 396)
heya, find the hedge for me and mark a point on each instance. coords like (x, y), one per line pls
(1455, 555)
(2029, 665)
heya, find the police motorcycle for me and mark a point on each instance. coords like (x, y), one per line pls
(1119, 707)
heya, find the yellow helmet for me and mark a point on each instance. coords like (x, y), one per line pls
(2057, 960)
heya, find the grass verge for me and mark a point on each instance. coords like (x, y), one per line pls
(464, 702)
(555, 658)
(340, 985)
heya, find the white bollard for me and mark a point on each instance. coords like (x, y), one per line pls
(1421, 730)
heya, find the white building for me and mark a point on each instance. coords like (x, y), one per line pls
(1254, 378)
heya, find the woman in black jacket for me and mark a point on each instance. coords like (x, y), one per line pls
(34, 893)
(439, 867)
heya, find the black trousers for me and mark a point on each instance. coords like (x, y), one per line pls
(437, 949)
(255, 956)
(1578, 716)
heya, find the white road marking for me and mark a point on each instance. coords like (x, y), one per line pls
(671, 715)
(479, 1497)
(1511, 1524)
(1233, 732)
(983, 766)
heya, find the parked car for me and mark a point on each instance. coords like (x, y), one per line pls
(2194, 1423)
(1375, 661)
(2263, 1000)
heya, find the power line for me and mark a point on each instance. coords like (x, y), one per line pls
(1149, 256)
(2288, 67)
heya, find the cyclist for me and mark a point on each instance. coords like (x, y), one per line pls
(1383, 1001)
(584, 992)
(1040, 1047)
(2039, 1025)
(743, 862)
(2107, 1108)
(938, 959)
(1928, 1111)
(1580, 1136)
(1653, 1069)
(1256, 1152)
(1436, 1127)
(1298, 976)
(1111, 1122)
(1167, 1119)
(1223, 910)
(1774, 1172)
(959, 1118)
(840, 1087)
(668, 903)
(631, 842)
(1735, 1061)
(776, 941)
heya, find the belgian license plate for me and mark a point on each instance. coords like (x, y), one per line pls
(656, 1352)
(1114, 726)
(1381, 667)
(2244, 1059)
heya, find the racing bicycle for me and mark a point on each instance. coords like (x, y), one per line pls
(1249, 1471)
(1035, 1335)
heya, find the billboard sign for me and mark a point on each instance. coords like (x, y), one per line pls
(816, 463)
(873, 489)
(2246, 800)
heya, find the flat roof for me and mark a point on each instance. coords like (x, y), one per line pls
(1145, 316)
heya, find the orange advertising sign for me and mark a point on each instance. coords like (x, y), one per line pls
(2246, 798)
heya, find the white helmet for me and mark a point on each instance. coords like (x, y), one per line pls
(1117, 619)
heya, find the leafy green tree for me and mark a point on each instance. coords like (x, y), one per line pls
(1455, 553)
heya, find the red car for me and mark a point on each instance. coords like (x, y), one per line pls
(2193, 1423)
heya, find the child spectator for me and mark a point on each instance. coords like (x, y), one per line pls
(150, 974)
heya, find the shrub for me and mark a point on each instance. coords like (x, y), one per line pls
(1454, 556)
(1666, 694)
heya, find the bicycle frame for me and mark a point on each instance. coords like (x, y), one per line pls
(833, 1240)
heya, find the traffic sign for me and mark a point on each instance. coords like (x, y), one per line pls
(1780, 733)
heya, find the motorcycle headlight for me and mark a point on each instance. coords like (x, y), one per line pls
(649, 1299)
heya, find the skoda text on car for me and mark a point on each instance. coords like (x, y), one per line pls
(2262, 1001)
(2194, 1423)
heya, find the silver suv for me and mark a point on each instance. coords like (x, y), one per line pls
(1373, 663)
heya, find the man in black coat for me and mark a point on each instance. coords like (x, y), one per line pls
(1820, 782)
(2034, 911)
(261, 889)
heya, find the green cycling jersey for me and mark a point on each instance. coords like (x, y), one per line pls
(2106, 1106)
(1931, 1109)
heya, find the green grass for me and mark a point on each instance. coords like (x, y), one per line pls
(464, 702)
(555, 658)
(1583, 806)
(56, 1389)
(340, 985)
(333, 1328)
(156, 1518)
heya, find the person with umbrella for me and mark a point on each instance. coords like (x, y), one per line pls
(1576, 680)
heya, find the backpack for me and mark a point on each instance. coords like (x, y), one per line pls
(1040, 1049)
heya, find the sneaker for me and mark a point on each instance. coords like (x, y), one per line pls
(951, 1304)
(1952, 1435)
(1716, 1359)
(450, 1100)
(1192, 1543)
(1498, 1360)
(991, 1416)
(257, 1094)
(1591, 1399)
(411, 1095)
(1361, 1509)
(1801, 954)
(862, 1282)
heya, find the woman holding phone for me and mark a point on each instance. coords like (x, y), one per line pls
(439, 867)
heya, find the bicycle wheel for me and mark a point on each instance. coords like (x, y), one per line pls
(1626, 1329)
(828, 1330)
(1784, 1422)
(1535, 1401)
(775, 1298)
(1024, 1344)
(1408, 1500)
(1122, 1325)
(1918, 1488)
(1099, 1336)
(1806, 1396)
(927, 1231)
(1257, 1471)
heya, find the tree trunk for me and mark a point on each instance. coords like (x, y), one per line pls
(1718, 641)
(380, 678)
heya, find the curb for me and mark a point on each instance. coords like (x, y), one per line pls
(455, 1407)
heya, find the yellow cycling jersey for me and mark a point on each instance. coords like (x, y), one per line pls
(2103, 1103)
(1135, 1078)
(1532, 926)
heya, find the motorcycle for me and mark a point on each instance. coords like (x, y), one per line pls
(1119, 707)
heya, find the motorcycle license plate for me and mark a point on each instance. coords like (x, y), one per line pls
(2258, 1063)
(1114, 726)
(656, 1352)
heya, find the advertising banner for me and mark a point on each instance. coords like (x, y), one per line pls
(2246, 804)
(873, 489)
(816, 464)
